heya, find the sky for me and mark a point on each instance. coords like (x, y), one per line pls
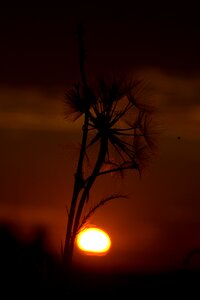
(160, 221)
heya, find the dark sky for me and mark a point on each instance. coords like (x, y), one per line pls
(38, 61)
(38, 44)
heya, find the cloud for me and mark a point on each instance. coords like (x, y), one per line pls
(32, 109)
(177, 100)
(28, 120)
(171, 90)
(194, 114)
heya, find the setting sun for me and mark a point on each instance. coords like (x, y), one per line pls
(93, 241)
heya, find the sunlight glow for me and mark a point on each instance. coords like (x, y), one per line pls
(93, 241)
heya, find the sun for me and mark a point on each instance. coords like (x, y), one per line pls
(93, 241)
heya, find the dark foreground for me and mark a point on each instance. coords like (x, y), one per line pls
(28, 271)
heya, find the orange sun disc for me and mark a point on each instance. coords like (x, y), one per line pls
(93, 241)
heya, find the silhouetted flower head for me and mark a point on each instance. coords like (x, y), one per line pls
(78, 101)
(117, 115)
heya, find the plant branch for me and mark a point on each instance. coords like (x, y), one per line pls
(100, 203)
(91, 179)
(119, 169)
(78, 184)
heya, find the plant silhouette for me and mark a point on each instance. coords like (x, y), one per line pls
(191, 254)
(119, 123)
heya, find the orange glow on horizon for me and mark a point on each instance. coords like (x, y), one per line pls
(93, 241)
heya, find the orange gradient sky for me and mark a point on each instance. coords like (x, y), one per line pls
(159, 222)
